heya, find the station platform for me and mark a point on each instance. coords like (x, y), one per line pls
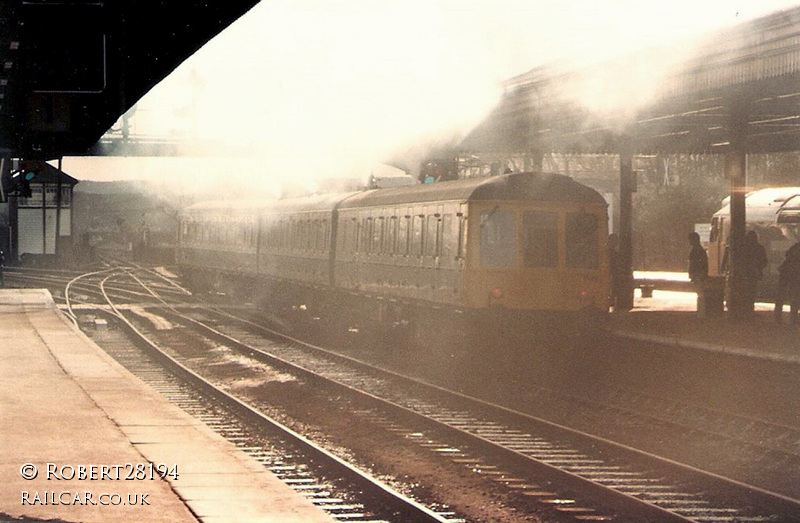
(671, 318)
(79, 432)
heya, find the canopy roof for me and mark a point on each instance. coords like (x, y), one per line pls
(744, 80)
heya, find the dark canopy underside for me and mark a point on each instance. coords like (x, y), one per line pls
(70, 69)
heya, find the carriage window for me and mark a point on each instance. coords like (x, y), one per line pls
(351, 235)
(377, 235)
(432, 236)
(402, 236)
(498, 239)
(540, 239)
(416, 236)
(391, 235)
(462, 236)
(324, 232)
(315, 235)
(448, 241)
(362, 235)
(581, 240)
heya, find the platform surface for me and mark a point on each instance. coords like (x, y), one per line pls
(69, 410)
(671, 318)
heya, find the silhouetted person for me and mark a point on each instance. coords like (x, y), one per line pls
(698, 260)
(789, 283)
(754, 260)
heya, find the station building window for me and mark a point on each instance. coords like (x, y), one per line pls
(36, 198)
(51, 195)
(66, 196)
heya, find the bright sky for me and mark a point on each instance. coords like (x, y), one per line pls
(330, 87)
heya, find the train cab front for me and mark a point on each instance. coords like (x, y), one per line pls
(542, 267)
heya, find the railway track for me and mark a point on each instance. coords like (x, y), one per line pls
(669, 490)
(583, 477)
(332, 484)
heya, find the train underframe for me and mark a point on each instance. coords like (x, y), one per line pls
(398, 325)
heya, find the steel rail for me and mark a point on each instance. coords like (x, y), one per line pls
(778, 501)
(392, 502)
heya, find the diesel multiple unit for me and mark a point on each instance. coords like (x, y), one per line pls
(505, 247)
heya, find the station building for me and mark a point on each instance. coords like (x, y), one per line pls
(37, 222)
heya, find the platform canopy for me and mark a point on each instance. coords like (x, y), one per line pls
(689, 98)
(70, 69)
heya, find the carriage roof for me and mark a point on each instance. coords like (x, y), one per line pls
(763, 205)
(537, 187)
(229, 208)
(324, 202)
(517, 186)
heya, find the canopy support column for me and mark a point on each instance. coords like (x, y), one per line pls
(624, 300)
(736, 172)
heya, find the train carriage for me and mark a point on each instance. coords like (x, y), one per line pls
(403, 242)
(219, 239)
(501, 250)
(540, 244)
(774, 213)
(296, 239)
(520, 242)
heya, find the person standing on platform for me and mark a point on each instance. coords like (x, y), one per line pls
(2, 276)
(698, 260)
(789, 284)
(754, 260)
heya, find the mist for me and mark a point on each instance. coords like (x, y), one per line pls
(315, 90)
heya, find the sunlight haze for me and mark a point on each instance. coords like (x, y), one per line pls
(331, 88)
